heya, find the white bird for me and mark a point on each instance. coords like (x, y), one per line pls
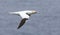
(25, 15)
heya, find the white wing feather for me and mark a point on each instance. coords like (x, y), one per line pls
(24, 15)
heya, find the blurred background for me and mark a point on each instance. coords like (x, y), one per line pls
(46, 22)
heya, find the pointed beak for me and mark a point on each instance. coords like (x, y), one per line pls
(35, 12)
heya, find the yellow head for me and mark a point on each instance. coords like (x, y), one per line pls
(33, 12)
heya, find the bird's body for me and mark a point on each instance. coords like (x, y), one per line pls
(25, 16)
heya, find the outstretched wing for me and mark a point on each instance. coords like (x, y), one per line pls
(24, 18)
(22, 22)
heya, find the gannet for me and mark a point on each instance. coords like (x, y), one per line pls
(25, 16)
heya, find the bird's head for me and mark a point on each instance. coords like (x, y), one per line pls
(33, 12)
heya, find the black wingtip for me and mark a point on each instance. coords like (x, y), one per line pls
(18, 27)
(22, 23)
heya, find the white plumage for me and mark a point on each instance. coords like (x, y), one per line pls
(24, 14)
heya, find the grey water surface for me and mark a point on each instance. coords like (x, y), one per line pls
(45, 22)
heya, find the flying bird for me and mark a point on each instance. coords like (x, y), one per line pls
(25, 16)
